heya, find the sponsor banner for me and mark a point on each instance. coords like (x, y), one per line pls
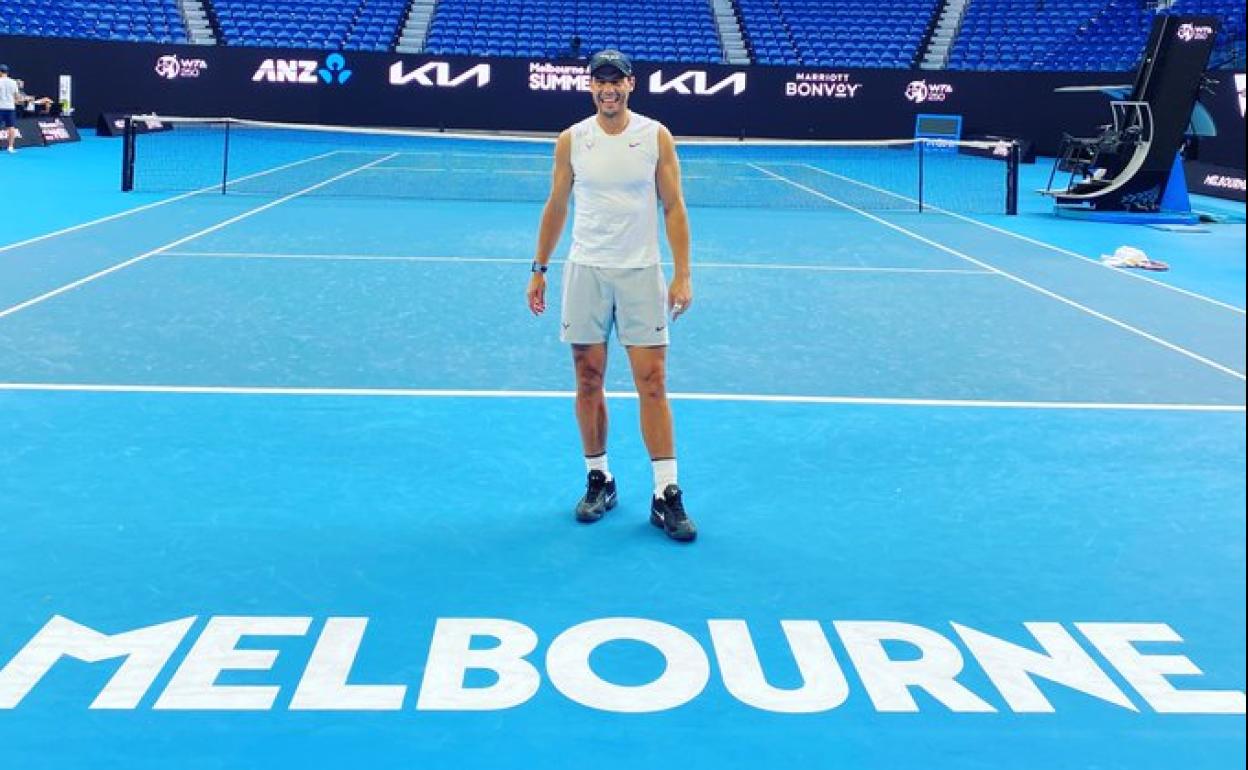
(332, 70)
(540, 95)
(174, 67)
(440, 74)
(1001, 148)
(823, 85)
(923, 91)
(57, 130)
(552, 76)
(1190, 33)
(28, 134)
(1217, 181)
(114, 124)
(696, 82)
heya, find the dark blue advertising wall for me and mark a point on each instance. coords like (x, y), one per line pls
(1225, 102)
(1215, 164)
(518, 94)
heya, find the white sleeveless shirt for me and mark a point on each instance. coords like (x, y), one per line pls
(616, 204)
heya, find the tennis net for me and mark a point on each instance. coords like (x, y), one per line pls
(242, 157)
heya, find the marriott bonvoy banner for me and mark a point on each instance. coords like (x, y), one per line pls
(386, 89)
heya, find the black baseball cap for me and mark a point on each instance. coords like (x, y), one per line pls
(604, 61)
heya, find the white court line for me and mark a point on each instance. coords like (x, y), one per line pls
(137, 209)
(546, 172)
(1021, 281)
(525, 261)
(542, 156)
(344, 257)
(1033, 241)
(630, 395)
(446, 170)
(180, 241)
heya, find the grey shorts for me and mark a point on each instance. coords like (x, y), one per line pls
(632, 299)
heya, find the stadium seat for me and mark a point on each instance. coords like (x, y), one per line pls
(1073, 35)
(662, 30)
(1105, 35)
(137, 21)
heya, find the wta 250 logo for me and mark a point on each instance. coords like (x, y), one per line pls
(174, 67)
(1191, 32)
(920, 91)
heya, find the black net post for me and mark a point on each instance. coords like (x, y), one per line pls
(127, 155)
(1011, 179)
(922, 148)
(225, 159)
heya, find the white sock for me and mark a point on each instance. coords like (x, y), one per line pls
(598, 463)
(664, 474)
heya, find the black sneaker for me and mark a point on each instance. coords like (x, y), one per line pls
(668, 512)
(599, 498)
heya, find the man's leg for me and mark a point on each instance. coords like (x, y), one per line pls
(650, 376)
(12, 137)
(591, 403)
(591, 416)
(667, 510)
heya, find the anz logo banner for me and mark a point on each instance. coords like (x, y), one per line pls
(334, 71)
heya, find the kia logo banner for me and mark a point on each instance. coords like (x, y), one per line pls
(696, 83)
(440, 74)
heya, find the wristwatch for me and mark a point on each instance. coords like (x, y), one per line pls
(538, 267)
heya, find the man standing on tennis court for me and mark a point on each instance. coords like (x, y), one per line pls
(8, 105)
(619, 165)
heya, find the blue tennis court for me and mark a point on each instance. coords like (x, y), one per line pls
(287, 480)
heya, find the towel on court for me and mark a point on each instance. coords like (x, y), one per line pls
(1129, 256)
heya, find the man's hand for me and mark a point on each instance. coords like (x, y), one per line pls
(679, 296)
(537, 293)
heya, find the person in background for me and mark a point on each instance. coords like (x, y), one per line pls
(37, 104)
(8, 105)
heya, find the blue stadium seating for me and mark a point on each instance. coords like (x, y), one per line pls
(1091, 35)
(371, 25)
(1228, 49)
(155, 21)
(1072, 35)
(655, 30)
(844, 33)
(1020, 34)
